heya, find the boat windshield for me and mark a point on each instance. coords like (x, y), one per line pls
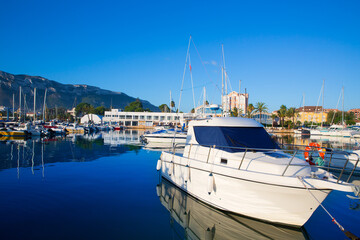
(242, 137)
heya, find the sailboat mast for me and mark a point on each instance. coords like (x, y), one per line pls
(13, 107)
(204, 102)
(239, 97)
(44, 105)
(34, 105)
(20, 105)
(225, 78)
(170, 102)
(303, 116)
(222, 88)
(342, 117)
(322, 109)
(24, 107)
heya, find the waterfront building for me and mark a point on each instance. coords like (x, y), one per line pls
(312, 114)
(356, 112)
(145, 119)
(235, 100)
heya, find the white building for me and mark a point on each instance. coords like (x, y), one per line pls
(235, 100)
(92, 118)
(144, 119)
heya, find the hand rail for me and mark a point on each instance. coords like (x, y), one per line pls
(343, 156)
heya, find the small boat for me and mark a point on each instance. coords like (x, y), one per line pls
(233, 164)
(302, 131)
(7, 132)
(168, 136)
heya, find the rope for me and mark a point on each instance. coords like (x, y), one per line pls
(347, 233)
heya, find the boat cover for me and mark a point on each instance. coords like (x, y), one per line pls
(241, 137)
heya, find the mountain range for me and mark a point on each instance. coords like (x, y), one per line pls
(58, 94)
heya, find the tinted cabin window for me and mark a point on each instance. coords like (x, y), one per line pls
(242, 137)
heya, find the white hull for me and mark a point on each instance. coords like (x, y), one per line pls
(289, 205)
(165, 138)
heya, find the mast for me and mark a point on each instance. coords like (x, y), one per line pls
(13, 107)
(322, 109)
(34, 105)
(239, 97)
(204, 102)
(20, 105)
(44, 105)
(24, 107)
(342, 116)
(225, 78)
(170, 102)
(303, 117)
(192, 83)
(222, 88)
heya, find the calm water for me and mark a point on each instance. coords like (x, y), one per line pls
(101, 187)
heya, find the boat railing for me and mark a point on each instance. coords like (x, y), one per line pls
(330, 156)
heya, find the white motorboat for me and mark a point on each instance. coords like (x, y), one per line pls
(334, 131)
(234, 165)
(168, 136)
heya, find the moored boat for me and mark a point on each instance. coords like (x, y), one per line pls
(234, 165)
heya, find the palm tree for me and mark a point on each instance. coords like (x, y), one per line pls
(250, 109)
(273, 116)
(291, 113)
(260, 108)
(282, 114)
(234, 112)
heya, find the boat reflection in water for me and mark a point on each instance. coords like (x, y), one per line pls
(201, 221)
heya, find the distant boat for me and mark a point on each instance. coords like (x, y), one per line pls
(165, 136)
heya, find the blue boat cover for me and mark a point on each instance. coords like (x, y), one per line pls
(242, 137)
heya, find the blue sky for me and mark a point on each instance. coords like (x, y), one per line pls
(280, 50)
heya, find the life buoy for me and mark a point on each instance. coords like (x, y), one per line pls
(311, 147)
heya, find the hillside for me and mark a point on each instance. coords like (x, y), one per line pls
(61, 95)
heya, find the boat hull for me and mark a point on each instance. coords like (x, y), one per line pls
(231, 192)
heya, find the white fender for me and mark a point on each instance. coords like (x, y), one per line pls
(158, 165)
(171, 168)
(186, 173)
(210, 183)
